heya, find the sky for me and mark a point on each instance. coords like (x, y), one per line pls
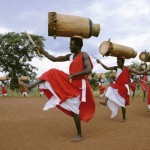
(123, 22)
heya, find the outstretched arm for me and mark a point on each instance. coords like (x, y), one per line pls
(104, 66)
(53, 58)
(87, 67)
(139, 72)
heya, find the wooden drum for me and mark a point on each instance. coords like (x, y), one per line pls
(100, 76)
(25, 78)
(68, 26)
(108, 48)
(3, 78)
(144, 56)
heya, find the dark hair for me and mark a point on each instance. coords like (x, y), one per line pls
(78, 40)
(121, 58)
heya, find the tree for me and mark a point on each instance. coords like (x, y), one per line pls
(16, 52)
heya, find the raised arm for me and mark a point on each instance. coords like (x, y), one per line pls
(53, 58)
(105, 67)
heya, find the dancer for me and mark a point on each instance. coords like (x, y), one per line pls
(4, 91)
(143, 80)
(132, 85)
(118, 93)
(40, 91)
(102, 89)
(70, 93)
(148, 91)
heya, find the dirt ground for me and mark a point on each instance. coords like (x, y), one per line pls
(24, 126)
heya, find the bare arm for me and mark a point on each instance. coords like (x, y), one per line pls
(139, 72)
(87, 67)
(53, 58)
(104, 66)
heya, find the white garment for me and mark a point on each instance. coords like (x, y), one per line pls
(148, 78)
(24, 93)
(118, 72)
(114, 98)
(71, 104)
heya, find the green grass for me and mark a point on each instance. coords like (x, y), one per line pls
(35, 93)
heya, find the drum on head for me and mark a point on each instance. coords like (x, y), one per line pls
(108, 48)
(3, 78)
(144, 56)
(101, 76)
(68, 26)
(25, 78)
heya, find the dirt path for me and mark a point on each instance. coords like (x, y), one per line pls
(24, 126)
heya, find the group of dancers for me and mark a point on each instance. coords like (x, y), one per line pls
(118, 92)
(72, 93)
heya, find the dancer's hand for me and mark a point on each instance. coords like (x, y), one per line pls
(98, 61)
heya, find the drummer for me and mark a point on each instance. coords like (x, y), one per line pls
(71, 92)
(143, 80)
(102, 89)
(118, 93)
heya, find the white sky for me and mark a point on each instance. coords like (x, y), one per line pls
(124, 22)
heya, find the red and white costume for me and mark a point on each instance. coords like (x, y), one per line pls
(4, 91)
(24, 91)
(118, 92)
(143, 81)
(40, 90)
(75, 96)
(132, 85)
(102, 89)
(148, 92)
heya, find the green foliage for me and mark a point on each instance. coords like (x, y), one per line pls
(16, 52)
(93, 80)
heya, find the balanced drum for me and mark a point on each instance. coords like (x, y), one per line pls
(144, 56)
(101, 76)
(108, 48)
(68, 26)
(3, 78)
(25, 78)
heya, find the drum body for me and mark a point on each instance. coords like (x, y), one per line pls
(3, 78)
(68, 26)
(144, 56)
(101, 76)
(25, 78)
(108, 48)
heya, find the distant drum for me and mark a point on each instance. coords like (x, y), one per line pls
(144, 56)
(25, 78)
(101, 76)
(108, 48)
(3, 78)
(68, 26)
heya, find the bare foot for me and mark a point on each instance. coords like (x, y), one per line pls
(103, 103)
(77, 138)
(22, 85)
